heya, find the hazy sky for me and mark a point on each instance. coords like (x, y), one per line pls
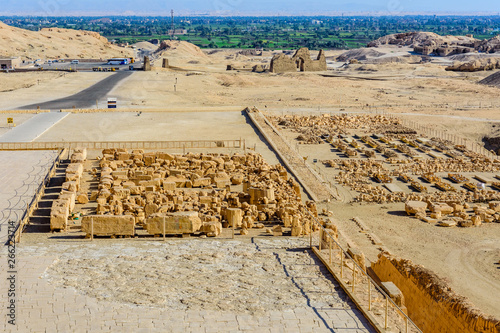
(245, 7)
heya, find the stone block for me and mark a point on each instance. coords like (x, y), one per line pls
(394, 293)
(175, 223)
(234, 217)
(77, 158)
(59, 218)
(109, 225)
(82, 198)
(201, 182)
(212, 228)
(358, 256)
(415, 207)
(82, 151)
(70, 186)
(75, 168)
(70, 197)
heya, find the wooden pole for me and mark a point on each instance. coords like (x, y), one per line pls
(369, 295)
(341, 264)
(311, 236)
(164, 238)
(386, 311)
(91, 228)
(353, 275)
(330, 250)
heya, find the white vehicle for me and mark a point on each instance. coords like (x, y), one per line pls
(75, 62)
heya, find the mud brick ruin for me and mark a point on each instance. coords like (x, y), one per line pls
(193, 193)
(301, 61)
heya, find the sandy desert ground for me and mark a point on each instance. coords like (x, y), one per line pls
(422, 92)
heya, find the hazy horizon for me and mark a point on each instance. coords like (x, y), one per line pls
(245, 8)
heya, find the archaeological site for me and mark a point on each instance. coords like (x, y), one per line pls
(158, 186)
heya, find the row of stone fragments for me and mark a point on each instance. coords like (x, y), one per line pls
(190, 193)
(452, 214)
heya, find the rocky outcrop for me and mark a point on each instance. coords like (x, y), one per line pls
(483, 64)
(427, 43)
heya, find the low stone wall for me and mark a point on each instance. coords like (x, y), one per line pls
(431, 304)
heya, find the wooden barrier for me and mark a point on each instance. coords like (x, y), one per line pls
(239, 143)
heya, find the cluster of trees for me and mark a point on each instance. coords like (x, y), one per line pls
(267, 32)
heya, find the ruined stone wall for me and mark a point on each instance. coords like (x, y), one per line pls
(301, 60)
(147, 64)
(309, 65)
(280, 63)
(430, 302)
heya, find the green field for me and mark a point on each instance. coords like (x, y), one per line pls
(268, 32)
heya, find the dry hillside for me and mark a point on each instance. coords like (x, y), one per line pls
(420, 38)
(181, 53)
(54, 43)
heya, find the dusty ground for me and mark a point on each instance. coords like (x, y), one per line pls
(399, 88)
(51, 87)
(466, 257)
(15, 81)
(459, 255)
(18, 119)
(180, 274)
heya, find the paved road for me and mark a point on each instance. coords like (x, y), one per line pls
(34, 127)
(85, 98)
(21, 172)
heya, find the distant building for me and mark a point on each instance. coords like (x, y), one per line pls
(10, 63)
(178, 32)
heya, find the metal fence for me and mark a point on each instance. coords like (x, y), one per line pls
(39, 193)
(123, 144)
(361, 288)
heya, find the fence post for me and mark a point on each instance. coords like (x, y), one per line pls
(311, 236)
(353, 275)
(330, 250)
(386, 311)
(164, 228)
(369, 295)
(341, 263)
(91, 228)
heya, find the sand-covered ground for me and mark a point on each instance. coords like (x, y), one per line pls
(51, 86)
(55, 43)
(422, 92)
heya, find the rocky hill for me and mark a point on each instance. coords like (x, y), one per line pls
(430, 43)
(55, 43)
(421, 38)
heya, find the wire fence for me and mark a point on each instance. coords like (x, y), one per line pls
(33, 205)
(361, 288)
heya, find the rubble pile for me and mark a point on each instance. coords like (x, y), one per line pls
(312, 128)
(454, 213)
(64, 205)
(199, 192)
